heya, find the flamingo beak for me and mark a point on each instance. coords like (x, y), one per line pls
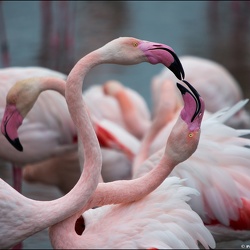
(10, 123)
(161, 53)
(197, 98)
(193, 103)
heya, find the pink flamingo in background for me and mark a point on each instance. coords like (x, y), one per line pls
(166, 106)
(209, 78)
(134, 110)
(49, 123)
(57, 212)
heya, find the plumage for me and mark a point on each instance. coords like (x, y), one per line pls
(148, 222)
(219, 171)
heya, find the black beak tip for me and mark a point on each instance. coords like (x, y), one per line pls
(15, 143)
(177, 69)
(182, 89)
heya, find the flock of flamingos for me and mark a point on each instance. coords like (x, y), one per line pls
(176, 177)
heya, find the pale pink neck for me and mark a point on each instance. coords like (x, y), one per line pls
(128, 191)
(52, 83)
(162, 118)
(135, 124)
(117, 192)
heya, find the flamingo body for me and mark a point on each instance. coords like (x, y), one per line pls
(144, 224)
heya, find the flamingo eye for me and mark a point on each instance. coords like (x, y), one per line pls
(190, 135)
(135, 44)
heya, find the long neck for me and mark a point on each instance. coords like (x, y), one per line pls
(49, 83)
(158, 123)
(43, 214)
(129, 191)
(116, 192)
(89, 148)
(136, 124)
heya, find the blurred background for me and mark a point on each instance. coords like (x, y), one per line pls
(56, 34)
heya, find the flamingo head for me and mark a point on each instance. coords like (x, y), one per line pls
(19, 101)
(129, 50)
(184, 138)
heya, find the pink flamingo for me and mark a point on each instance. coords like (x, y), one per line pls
(209, 78)
(134, 110)
(87, 226)
(58, 212)
(228, 157)
(54, 135)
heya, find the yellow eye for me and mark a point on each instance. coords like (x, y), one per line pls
(190, 135)
(135, 44)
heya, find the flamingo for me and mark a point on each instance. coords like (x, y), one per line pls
(218, 170)
(55, 136)
(57, 212)
(135, 112)
(209, 78)
(138, 213)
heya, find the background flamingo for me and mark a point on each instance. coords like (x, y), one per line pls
(133, 107)
(53, 135)
(209, 78)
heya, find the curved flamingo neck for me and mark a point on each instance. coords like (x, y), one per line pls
(60, 209)
(157, 124)
(130, 116)
(117, 192)
(56, 84)
(129, 191)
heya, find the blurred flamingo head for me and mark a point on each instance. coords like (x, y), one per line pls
(19, 101)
